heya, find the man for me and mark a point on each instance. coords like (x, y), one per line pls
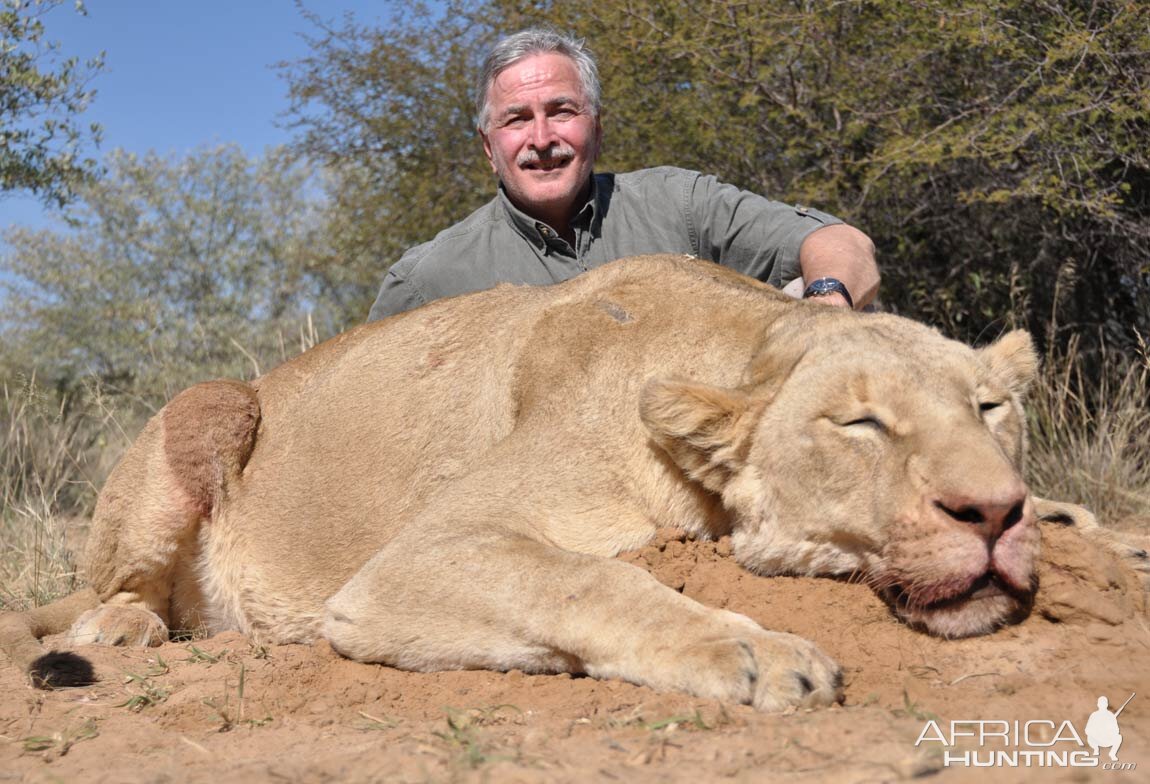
(553, 218)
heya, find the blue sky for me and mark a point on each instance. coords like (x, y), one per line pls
(181, 75)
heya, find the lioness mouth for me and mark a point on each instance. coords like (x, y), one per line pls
(988, 586)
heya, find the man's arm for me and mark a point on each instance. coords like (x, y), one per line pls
(779, 243)
(396, 295)
(845, 253)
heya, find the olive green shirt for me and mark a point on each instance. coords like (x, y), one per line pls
(661, 210)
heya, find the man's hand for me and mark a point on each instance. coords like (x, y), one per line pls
(842, 252)
(835, 300)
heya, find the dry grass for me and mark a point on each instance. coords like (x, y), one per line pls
(55, 452)
(1090, 434)
(52, 457)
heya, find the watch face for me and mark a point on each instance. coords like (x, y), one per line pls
(824, 286)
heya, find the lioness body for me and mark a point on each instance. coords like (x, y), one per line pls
(348, 451)
(440, 489)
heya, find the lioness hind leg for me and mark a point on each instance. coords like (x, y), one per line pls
(118, 624)
(500, 601)
(149, 512)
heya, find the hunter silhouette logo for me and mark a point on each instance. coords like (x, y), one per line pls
(983, 743)
(1102, 728)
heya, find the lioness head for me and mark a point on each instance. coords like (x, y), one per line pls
(871, 446)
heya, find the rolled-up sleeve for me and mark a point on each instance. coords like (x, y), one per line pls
(748, 232)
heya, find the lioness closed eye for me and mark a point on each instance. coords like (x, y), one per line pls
(445, 489)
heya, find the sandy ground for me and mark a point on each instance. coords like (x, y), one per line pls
(222, 710)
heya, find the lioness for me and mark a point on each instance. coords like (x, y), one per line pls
(445, 489)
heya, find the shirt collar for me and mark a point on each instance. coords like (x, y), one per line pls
(536, 231)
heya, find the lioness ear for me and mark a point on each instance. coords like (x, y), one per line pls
(700, 426)
(1012, 360)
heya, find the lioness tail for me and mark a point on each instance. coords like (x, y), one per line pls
(20, 635)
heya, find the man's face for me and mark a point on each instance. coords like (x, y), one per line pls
(542, 136)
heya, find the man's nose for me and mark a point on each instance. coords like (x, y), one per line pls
(542, 133)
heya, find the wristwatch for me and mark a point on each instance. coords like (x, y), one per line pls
(824, 286)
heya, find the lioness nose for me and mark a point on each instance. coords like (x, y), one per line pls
(992, 516)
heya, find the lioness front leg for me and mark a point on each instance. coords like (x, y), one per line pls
(504, 601)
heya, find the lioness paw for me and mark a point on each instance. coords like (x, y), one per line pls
(769, 670)
(724, 669)
(111, 624)
(794, 672)
(1133, 549)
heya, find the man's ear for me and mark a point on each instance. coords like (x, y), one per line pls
(1012, 360)
(486, 148)
(701, 427)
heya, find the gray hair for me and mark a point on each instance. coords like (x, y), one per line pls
(536, 40)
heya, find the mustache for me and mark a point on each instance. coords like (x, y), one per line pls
(553, 154)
